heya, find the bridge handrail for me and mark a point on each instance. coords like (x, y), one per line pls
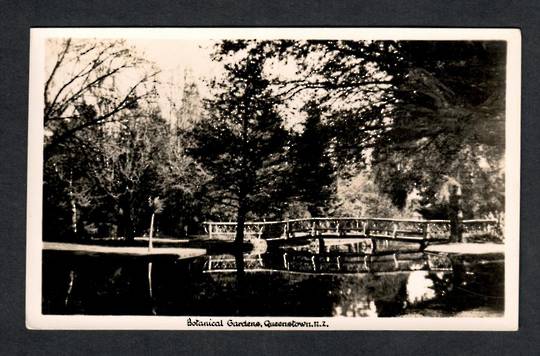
(472, 221)
(349, 218)
(420, 221)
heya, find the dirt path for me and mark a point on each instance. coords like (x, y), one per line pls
(131, 251)
(467, 248)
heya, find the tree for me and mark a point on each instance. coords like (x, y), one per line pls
(88, 84)
(96, 95)
(121, 168)
(156, 205)
(183, 102)
(313, 174)
(182, 181)
(448, 121)
(413, 110)
(241, 142)
(360, 196)
(351, 83)
(190, 108)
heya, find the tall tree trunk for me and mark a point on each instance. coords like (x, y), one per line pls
(312, 209)
(151, 233)
(240, 223)
(129, 226)
(455, 215)
(73, 204)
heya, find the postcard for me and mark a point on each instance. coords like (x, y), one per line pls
(273, 179)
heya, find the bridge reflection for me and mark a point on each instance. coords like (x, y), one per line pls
(335, 257)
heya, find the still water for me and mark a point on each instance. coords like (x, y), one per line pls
(327, 279)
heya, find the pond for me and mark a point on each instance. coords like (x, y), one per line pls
(327, 278)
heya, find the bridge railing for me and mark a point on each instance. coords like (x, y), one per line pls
(481, 227)
(362, 226)
(229, 228)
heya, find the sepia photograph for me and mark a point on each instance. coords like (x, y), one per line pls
(273, 179)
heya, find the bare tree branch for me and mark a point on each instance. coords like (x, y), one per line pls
(58, 63)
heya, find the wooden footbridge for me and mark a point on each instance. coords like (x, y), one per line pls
(341, 228)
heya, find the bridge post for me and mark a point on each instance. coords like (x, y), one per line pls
(367, 234)
(322, 247)
(210, 229)
(425, 230)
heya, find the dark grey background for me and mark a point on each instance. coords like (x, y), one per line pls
(16, 18)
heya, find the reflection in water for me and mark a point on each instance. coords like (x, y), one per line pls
(70, 287)
(150, 287)
(334, 278)
(419, 287)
